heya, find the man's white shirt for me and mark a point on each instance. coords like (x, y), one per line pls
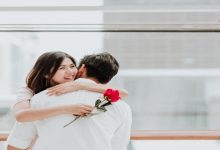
(108, 130)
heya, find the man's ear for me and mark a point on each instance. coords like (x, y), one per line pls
(81, 71)
(82, 68)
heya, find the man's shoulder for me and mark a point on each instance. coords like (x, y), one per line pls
(24, 93)
(39, 98)
(79, 92)
(40, 94)
(82, 93)
(122, 108)
(43, 99)
(122, 104)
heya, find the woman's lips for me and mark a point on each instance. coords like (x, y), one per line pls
(68, 78)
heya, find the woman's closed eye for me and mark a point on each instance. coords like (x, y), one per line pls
(72, 66)
(61, 68)
(65, 67)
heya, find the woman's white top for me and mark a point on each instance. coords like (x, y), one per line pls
(22, 134)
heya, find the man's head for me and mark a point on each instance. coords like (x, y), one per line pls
(101, 67)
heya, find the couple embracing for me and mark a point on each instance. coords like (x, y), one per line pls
(54, 112)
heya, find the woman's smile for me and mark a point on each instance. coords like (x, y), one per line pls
(66, 72)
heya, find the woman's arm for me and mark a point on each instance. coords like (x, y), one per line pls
(74, 86)
(101, 88)
(21, 135)
(24, 112)
(9, 147)
(33, 114)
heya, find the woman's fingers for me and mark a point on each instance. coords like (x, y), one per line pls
(55, 87)
(85, 109)
(60, 90)
(88, 106)
(63, 88)
(55, 91)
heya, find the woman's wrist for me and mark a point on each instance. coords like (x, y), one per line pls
(68, 109)
(64, 109)
(83, 86)
(79, 86)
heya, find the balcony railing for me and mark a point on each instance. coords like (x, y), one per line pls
(163, 135)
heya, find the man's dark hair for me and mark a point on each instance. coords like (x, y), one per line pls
(102, 66)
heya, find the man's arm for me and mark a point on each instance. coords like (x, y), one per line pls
(121, 136)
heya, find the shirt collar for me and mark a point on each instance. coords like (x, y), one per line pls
(85, 80)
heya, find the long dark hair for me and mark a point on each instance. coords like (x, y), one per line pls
(44, 69)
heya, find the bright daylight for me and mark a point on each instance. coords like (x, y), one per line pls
(110, 75)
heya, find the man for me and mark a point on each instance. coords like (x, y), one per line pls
(108, 130)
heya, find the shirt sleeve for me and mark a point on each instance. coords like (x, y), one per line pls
(21, 135)
(24, 93)
(121, 136)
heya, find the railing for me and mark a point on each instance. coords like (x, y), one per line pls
(175, 135)
(110, 28)
(163, 135)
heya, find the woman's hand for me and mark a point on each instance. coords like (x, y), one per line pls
(64, 88)
(78, 109)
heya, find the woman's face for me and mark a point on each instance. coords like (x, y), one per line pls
(65, 73)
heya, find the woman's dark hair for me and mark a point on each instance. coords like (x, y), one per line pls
(44, 69)
(102, 66)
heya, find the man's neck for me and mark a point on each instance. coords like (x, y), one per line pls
(93, 79)
(90, 78)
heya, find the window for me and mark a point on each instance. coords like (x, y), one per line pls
(168, 52)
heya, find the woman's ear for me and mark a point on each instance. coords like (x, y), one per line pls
(46, 76)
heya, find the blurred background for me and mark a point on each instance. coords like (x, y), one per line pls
(168, 50)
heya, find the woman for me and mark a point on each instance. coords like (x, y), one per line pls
(51, 69)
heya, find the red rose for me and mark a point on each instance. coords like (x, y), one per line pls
(113, 95)
(110, 96)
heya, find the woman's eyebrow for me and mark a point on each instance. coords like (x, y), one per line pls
(68, 65)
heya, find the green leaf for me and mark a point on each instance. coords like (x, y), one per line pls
(97, 102)
(102, 109)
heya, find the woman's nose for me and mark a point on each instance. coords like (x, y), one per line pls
(70, 70)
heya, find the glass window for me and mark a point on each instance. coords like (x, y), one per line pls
(172, 77)
(175, 75)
